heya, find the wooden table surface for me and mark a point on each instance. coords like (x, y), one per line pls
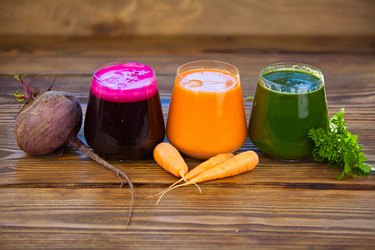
(67, 201)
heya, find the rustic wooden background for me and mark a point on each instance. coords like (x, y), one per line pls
(68, 202)
(203, 17)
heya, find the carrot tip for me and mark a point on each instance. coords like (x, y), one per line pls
(199, 188)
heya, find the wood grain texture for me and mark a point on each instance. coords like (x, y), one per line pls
(245, 216)
(214, 17)
(68, 202)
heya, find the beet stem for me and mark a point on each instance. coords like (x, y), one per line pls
(77, 143)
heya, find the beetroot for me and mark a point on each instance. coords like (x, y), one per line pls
(45, 124)
(50, 120)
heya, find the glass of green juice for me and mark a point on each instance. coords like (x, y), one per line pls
(289, 100)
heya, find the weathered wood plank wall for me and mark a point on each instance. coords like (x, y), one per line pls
(208, 17)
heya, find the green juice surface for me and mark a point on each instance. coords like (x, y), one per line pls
(287, 104)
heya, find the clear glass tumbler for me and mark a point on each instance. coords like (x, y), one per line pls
(124, 117)
(290, 99)
(206, 115)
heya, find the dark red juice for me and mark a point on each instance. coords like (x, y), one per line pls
(124, 117)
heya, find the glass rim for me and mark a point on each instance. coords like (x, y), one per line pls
(291, 66)
(114, 63)
(179, 69)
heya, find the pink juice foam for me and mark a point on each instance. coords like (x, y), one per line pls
(124, 82)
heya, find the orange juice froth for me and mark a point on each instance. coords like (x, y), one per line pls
(206, 116)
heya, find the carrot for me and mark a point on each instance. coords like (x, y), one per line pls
(210, 163)
(170, 159)
(238, 164)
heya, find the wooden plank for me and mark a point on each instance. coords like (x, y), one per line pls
(337, 67)
(145, 17)
(63, 46)
(75, 170)
(338, 81)
(76, 218)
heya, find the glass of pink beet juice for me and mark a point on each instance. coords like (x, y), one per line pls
(124, 118)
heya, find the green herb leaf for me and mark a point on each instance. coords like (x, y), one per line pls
(339, 147)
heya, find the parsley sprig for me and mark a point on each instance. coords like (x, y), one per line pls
(339, 147)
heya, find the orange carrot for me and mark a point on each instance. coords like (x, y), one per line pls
(238, 164)
(170, 159)
(210, 163)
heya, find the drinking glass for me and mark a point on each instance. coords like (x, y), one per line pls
(290, 99)
(124, 117)
(206, 114)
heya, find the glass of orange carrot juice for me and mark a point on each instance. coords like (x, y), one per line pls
(206, 114)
